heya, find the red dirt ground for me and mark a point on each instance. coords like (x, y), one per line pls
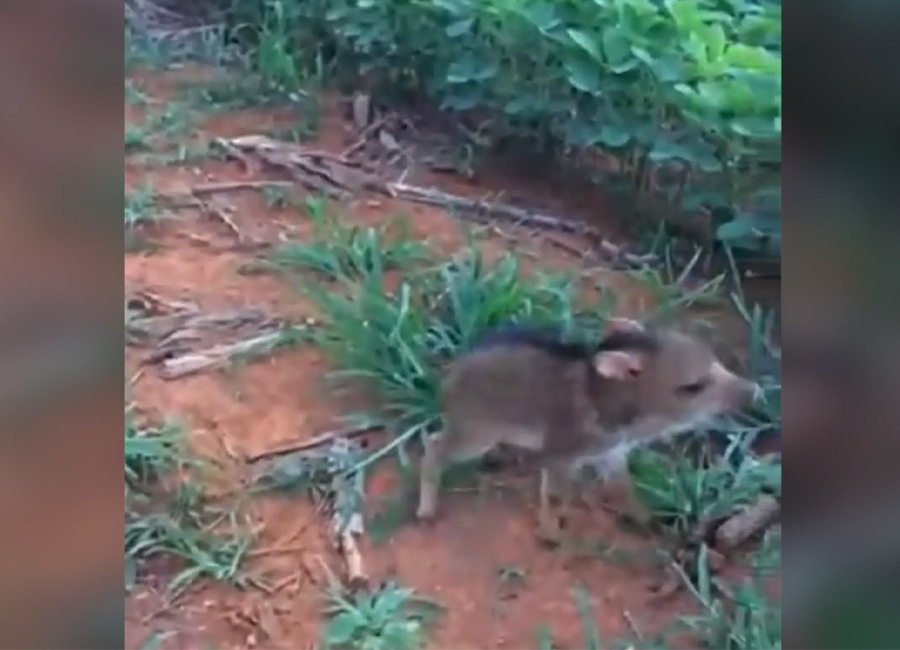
(280, 399)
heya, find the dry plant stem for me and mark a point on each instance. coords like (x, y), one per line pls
(503, 211)
(518, 216)
(743, 525)
(315, 441)
(211, 188)
(218, 213)
(194, 362)
(365, 135)
(356, 573)
(237, 154)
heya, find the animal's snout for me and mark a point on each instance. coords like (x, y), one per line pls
(742, 392)
(737, 390)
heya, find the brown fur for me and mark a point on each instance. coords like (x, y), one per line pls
(575, 406)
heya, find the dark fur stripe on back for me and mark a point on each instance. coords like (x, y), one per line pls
(546, 339)
(629, 341)
(551, 341)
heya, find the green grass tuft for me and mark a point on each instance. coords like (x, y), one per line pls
(166, 520)
(390, 617)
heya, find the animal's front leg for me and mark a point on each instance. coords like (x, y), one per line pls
(430, 476)
(617, 482)
(554, 502)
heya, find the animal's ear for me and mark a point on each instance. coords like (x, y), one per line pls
(618, 364)
(614, 325)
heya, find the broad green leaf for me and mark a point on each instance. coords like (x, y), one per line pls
(470, 69)
(696, 47)
(666, 149)
(518, 105)
(752, 58)
(586, 42)
(735, 229)
(666, 69)
(714, 36)
(713, 94)
(754, 127)
(342, 627)
(613, 136)
(460, 27)
(541, 15)
(584, 75)
(616, 45)
(685, 13)
(455, 7)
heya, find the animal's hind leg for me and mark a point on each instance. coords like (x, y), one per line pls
(430, 475)
(440, 450)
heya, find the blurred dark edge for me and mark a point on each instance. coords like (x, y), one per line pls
(842, 549)
(60, 347)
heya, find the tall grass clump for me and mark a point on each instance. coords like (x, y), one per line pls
(340, 251)
(166, 516)
(397, 341)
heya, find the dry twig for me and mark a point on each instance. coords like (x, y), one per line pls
(482, 209)
(194, 362)
(316, 441)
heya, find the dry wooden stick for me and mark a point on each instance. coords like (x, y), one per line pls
(743, 525)
(364, 136)
(194, 362)
(504, 211)
(316, 441)
(211, 188)
(519, 216)
(356, 573)
(222, 215)
(237, 154)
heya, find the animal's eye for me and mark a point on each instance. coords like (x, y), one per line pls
(691, 390)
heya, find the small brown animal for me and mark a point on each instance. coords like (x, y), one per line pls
(573, 405)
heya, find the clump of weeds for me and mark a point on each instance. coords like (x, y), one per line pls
(167, 515)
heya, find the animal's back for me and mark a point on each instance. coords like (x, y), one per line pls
(515, 377)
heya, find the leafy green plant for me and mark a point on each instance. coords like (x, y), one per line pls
(388, 618)
(687, 87)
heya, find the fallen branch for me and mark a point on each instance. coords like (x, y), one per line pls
(194, 362)
(316, 441)
(365, 135)
(485, 208)
(212, 188)
(333, 175)
(162, 328)
(746, 523)
(520, 216)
